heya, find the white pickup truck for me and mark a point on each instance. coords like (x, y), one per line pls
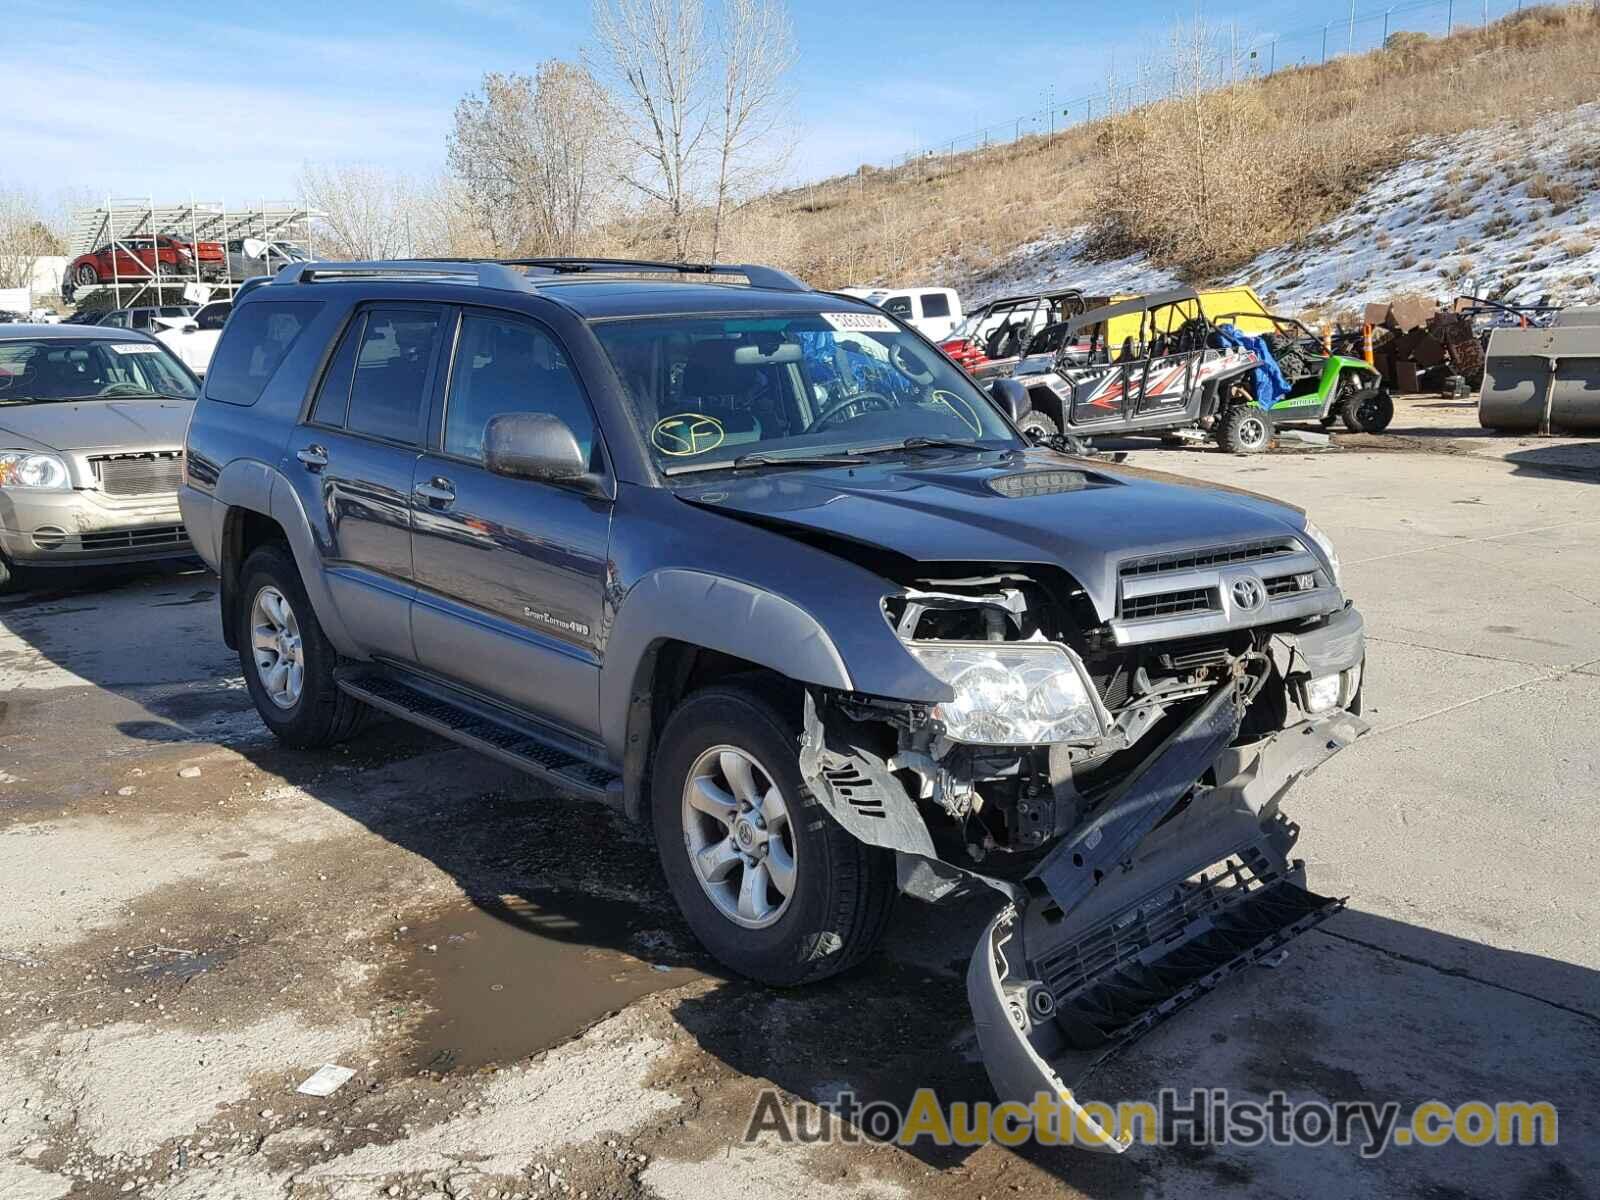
(193, 339)
(932, 312)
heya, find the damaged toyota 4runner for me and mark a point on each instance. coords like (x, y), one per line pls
(761, 565)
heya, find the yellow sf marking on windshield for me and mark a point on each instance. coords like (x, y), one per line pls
(685, 434)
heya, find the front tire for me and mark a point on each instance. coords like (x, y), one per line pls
(767, 880)
(1367, 411)
(287, 660)
(1245, 429)
(88, 276)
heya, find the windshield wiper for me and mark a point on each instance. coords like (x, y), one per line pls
(923, 443)
(762, 458)
(130, 396)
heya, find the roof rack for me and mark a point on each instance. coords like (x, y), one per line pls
(483, 274)
(755, 273)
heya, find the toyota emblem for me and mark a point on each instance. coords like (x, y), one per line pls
(1247, 594)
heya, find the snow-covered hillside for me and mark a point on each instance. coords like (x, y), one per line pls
(1512, 209)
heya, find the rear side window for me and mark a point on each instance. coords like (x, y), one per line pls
(935, 304)
(391, 374)
(333, 396)
(900, 307)
(253, 346)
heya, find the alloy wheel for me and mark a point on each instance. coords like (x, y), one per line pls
(738, 836)
(276, 647)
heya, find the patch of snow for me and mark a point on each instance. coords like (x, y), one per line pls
(1062, 260)
(1434, 225)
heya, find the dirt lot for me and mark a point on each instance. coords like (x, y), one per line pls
(193, 920)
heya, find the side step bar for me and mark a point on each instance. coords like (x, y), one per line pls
(499, 735)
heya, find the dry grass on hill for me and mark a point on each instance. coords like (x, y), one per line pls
(1202, 183)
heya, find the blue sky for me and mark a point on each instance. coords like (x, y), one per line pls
(226, 102)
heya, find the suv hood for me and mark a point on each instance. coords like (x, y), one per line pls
(1032, 506)
(113, 424)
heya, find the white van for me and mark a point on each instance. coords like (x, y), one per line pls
(932, 312)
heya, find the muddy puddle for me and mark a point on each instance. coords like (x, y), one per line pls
(509, 977)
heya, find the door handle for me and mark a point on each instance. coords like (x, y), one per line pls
(437, 490)
(313, 456)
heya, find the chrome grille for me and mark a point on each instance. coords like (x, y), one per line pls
(150, 473)
(1213, 556)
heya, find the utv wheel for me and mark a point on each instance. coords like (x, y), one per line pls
(1368, 411)
(1037, 425)
(1245, 429)
(769, 883)
(286, 659)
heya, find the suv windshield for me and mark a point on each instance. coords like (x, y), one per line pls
(708, 391)
(54, 369)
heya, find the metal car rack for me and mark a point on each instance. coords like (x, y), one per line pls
(119, 221)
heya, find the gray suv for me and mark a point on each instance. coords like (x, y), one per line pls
(765, 567)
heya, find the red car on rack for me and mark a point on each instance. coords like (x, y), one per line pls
(139, 256)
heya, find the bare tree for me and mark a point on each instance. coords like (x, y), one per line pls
(536, 157)
(368, 213)
(25, 238)
(756, 44)
(657, 51)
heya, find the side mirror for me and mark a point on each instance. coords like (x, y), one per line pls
(533, 446)
(1011, 396)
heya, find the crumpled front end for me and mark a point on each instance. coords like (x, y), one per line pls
(1139, 847)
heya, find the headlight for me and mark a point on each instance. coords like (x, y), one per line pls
(21, 469)
(1325, 544)
(1010, 693)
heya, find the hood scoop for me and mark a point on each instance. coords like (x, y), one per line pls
(1050, 482)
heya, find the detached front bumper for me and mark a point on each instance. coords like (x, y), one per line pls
(80, 528)
(1132, 925)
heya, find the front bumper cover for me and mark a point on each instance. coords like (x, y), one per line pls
(1146, 922)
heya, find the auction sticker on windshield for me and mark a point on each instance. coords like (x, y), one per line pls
(859, 322)
(134, 348)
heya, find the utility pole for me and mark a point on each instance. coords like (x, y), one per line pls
(1386, 12)
(1449, 17)
(1350, 46)
(1272, 60)
(1325, 41)
(1486, 14)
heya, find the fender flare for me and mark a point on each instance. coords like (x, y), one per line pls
(711, 612)
(253, 486)
(714, 613)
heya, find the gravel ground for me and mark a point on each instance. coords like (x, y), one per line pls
(193, 919)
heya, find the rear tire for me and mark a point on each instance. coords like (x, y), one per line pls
(1245, 429)
(1038, 424)
(1367, 411)
(318, 713)
(841, 891)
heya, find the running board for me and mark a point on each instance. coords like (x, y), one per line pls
(500, 736)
